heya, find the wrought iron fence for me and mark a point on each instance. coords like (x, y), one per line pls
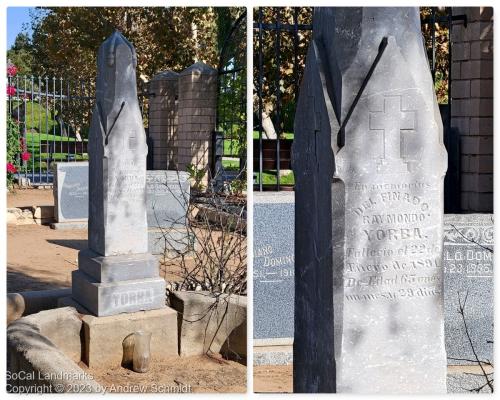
(229, 141)
(53, 115)
(281, 39)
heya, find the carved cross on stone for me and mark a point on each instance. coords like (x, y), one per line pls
(392, 120)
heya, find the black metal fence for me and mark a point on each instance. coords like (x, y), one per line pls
(281, 39)
(53, 118)
(229, 143)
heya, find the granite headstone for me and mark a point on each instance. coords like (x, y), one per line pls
(369, 163)
(273, 265)
(468, 270)
(116, 273)
(71, 195)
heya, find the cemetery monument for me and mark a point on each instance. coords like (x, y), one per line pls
(369, 164)
(116, 274)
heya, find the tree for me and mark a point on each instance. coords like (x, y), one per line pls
(66, 39)
(21, 54)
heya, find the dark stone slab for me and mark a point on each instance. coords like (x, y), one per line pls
(368, 216)
(71, 191)
(273, 265)
(468, 268)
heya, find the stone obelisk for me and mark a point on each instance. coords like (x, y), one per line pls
(369, 165)
(116, 273)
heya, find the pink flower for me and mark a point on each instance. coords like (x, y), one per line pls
(11, 90)
(25, 156)
(11, 70)
(11, 168)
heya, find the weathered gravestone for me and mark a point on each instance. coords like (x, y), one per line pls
(116, 273)
(167, 207)
(369, 164)
(468, 269)
(71, 197)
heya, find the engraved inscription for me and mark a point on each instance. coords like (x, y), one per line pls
(390, 249)
(132, 298)
(274, 268)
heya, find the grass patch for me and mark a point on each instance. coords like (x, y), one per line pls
(270, 178)
(285, 135)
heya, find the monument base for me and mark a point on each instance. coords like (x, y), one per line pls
(103, 336)
(110, 285)
(111, 298)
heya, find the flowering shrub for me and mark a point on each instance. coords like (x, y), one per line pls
(11, 70)
(13, 149)
(13, 144)
(11, 90)
(25, 156)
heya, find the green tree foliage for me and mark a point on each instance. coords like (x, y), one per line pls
(66, 39)
(441, 49)
(21, 54)
(289, 67)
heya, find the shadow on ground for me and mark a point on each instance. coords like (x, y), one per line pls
(20, 282)
(76, 244)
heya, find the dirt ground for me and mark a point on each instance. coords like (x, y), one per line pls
(39, 257)
(273, 378)
(197, 374)
(30, 197)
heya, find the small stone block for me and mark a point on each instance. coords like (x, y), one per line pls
(103, 336)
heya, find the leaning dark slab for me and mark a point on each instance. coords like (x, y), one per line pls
(116, 273)
(369, 164)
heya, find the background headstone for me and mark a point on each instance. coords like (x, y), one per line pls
(273, 267)
(369, 208)
(468, 268)
(71, 195)
(167, 206)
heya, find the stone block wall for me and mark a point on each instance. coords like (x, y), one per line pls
(182, 118)
(197, 113)
(472, 104)
(163, 119)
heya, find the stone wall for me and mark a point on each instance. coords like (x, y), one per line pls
(182, 116)
(472, 104)
(197, 112)
(164, 90)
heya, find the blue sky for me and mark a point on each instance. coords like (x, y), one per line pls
(16, 17)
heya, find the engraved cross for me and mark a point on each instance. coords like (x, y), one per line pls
(392, 120)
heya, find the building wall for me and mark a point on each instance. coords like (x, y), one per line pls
(472, 105)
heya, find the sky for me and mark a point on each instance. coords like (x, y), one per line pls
(16, 17)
